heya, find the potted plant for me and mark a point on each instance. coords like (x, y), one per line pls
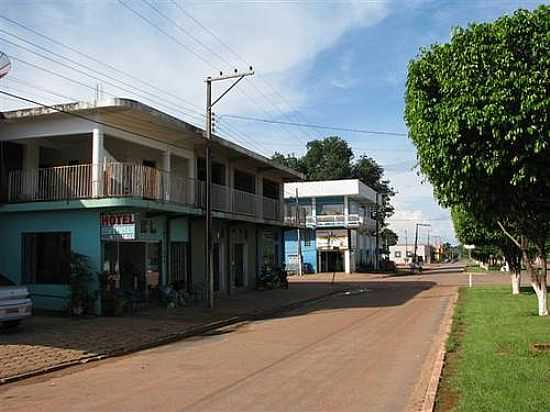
(81, 299)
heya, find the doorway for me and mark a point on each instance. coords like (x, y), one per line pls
(238, 265)
(331, 261)
(216, 266)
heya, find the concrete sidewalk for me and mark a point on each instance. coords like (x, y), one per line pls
(47, 343)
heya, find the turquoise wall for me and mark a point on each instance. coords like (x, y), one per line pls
(85, 239)
(309, 249)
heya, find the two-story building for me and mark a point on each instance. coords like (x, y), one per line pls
(340, 233)
(124, 184)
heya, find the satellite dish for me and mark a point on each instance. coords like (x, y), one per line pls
(5, 64)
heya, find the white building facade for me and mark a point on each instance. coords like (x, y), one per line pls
(340, 226)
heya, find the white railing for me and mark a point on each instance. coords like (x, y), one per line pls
(351, 220)
(244, 203)
(219, 198)
(271, 208)
(113, 180)
(130, 180)
(54, 183)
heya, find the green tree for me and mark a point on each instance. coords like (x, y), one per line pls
(372, 174)
(289, 160)
(388, 238)
(327, 159)
(489, 240)
(477, 109)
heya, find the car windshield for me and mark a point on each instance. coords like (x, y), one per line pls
(4, 281)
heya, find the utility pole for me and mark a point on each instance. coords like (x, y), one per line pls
(429, 248)
(208, 189)
(298, 235)
(406, 246)
(377, 251)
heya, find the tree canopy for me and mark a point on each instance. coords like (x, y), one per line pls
(477, 109)
(332, 158)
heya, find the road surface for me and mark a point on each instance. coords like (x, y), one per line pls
(369, 350)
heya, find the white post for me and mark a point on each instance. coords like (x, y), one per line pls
(166, 167)
(470, 279)
(97, 161)
(346, 209)
(31, 163)
(347, 261)
(259, 196)
(191, 184)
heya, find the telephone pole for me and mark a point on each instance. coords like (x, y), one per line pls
(377, 252)
(208, 189)
(298, 235)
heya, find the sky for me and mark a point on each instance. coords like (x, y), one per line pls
(333, 63)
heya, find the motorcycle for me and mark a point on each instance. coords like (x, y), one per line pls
(272, 278)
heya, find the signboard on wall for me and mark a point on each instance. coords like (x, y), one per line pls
(332, 239)
(118, 226)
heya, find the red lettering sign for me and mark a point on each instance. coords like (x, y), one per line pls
(118, 219)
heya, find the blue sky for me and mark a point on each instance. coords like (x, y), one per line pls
(336, 63)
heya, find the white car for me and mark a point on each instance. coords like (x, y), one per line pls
(15, 303)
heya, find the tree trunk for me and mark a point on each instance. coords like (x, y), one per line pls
(538, 281)
(516, 281)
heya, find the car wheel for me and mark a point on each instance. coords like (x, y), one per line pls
(11, 323)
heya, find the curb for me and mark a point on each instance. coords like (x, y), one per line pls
(193, 331)
(428, 404)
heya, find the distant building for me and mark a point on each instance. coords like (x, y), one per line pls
(403, 253)
(340, 229)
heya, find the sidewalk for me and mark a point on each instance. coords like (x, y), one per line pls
(47, 343)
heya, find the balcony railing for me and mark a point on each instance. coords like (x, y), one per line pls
(129, 180)
(351, 220)
(244, 203)
(271, 208)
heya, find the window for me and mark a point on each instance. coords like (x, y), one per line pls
(270, 189)
(308, 237)
(397, 253)
(46, 257)
(409, 254)
(245, 182)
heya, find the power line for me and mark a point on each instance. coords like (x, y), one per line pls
(100, 62)
(185, 47)
(343, 129)
(224, 44)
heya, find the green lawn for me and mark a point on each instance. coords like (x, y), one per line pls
(490, 365)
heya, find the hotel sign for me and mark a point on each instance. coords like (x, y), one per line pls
(118, 226)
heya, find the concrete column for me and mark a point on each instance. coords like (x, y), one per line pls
(282, 201)
(347, 261)
(230, 182)
(97, 161)
(314, 210)
(191, 184)
(31, 163)
(166, 167)
(346, 209)
(259, 196)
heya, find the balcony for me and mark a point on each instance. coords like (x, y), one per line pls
(328, 221)
(127, 180)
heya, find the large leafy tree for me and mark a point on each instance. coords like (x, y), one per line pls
(477, 109)
(327, 159)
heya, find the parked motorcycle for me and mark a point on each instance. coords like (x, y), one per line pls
(272, 278)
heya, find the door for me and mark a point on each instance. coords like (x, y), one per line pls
(238, 265)
(216, 266)
(179, 263)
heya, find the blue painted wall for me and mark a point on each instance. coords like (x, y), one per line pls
(309, 247)
(85, 239)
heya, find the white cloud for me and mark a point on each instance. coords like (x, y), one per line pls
(279, 40)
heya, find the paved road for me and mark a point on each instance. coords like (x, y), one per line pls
(365, 351)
